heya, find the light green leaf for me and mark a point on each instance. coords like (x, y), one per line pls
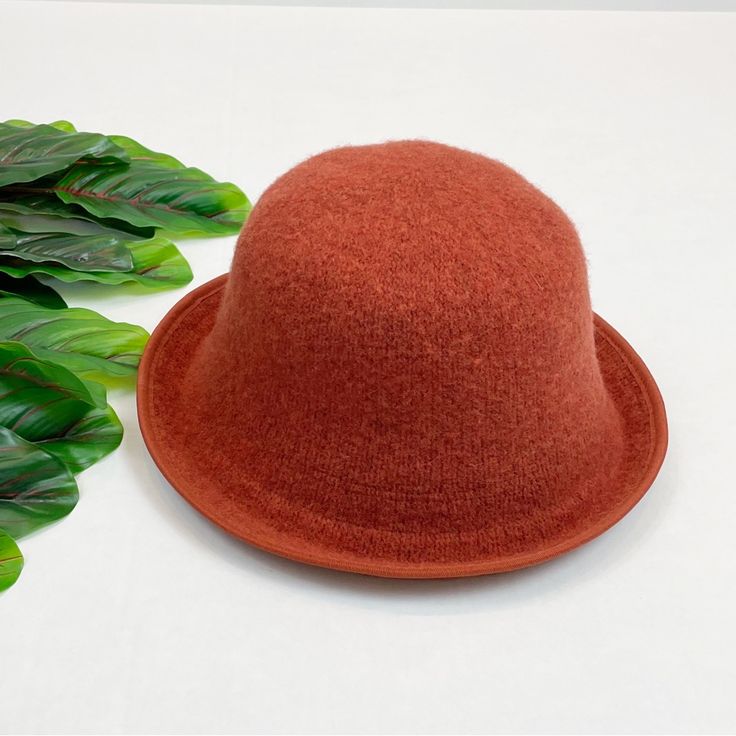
(81, 340)
(29, 153)
(157, 264)
(138, 152)
(36, 488)
(30, 288)
(64, 125)
(11, 561)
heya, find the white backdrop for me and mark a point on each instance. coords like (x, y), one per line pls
(676, 5)
(136, 615)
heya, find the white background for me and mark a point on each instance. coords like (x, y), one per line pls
(700, 5)
(136, 615)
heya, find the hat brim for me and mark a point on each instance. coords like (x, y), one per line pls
(174, 343)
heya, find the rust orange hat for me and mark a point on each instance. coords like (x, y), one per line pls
(402, 375)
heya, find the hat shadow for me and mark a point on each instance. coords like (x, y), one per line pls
(422, 597)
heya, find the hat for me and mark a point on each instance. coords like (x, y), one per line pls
(402, 375)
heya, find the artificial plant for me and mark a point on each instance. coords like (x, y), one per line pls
(79, 206)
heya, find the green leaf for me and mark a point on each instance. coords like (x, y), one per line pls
(81, 340)
(77, 252)
(46, 214)
(157, 264)
(146, 189)
(25, 378)
(28, 153)
(46, 404)
(135, 150)
(30, 288)
(11, 561)
(33, 200)
(138, 152)
(64, 125)
(95, 435)
(36, 488)
(184, 201)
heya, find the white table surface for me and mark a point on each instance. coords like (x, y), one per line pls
(137, 615)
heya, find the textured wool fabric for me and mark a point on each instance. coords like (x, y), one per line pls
(402, 374)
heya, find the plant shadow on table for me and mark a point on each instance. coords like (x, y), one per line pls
(422, 597)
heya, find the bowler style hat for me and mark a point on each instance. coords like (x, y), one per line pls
(402, 374)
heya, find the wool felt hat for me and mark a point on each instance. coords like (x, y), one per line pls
(402, 374)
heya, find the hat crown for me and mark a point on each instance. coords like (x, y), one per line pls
(411, 323)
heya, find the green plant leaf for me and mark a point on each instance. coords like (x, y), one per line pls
(77, 252)
(11, 561)
(184, 201)
(95, 435)
(30, 288)
(135, 150)
(34, 201)
(64, 125)
(146, 188)
(46, 404)
(28, 153)
(157, 264)
(24, 378)
(138, 152)
(45, 214)
(36, 488)
(81, 340)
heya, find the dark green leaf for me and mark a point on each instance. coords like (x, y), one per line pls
(25, 378)
(185, 201)
(36, 488)
(11, 561)
(44, 403)
(77, 252)
(33, 199)
(48, 215)
(157, 263)
(135, 150)
(78, 339)
(30, 288)
(28, 153)
(95, 435)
